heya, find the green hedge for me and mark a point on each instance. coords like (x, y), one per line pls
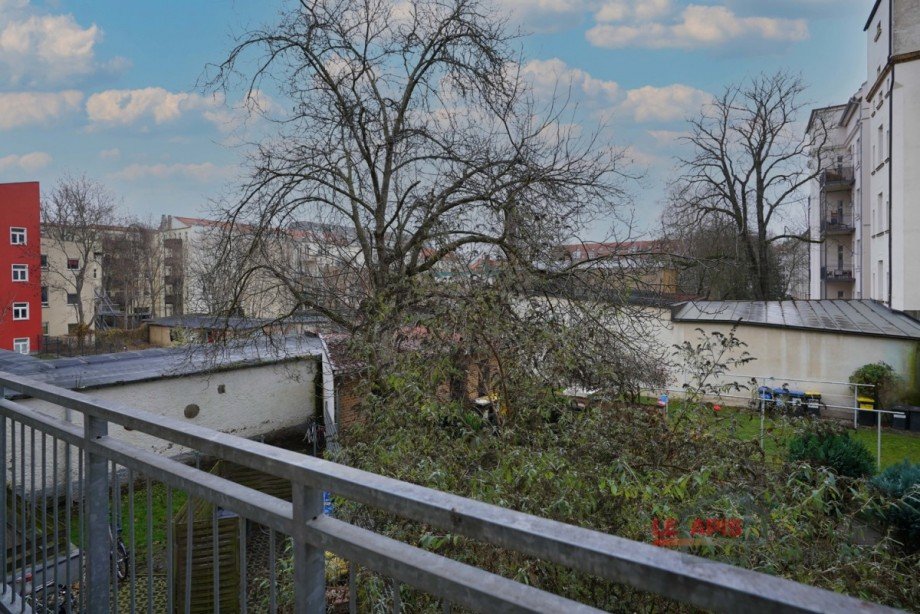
(901, 509)
(838, 451)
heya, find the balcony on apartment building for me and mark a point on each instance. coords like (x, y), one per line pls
(837, 177)
(841, 271)
(838, 223)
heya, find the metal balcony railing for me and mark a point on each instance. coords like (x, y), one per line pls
(842, 272)
(838, 224)
(68, 461)
(837, 176)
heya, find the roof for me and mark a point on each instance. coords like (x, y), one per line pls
(854, 317)
(205, 321)
(872, 14)
(146, 365)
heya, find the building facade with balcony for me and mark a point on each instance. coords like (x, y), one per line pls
(864, 208)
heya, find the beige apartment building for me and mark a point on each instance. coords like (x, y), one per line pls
(60, 264)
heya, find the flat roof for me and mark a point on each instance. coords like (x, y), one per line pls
(159, 363)
(854, 317)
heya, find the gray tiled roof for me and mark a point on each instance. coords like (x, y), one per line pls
(144, 365)
(857, 317)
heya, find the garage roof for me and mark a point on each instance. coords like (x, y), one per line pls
(145, 365)
(856, 317)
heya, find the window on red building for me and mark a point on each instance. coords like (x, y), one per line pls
(20, 311)
(21, 345)
(17, 236)
(20, 272)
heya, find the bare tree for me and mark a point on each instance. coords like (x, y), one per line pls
(749, 171)
(412, 138)
(75, 217)
(134, 268)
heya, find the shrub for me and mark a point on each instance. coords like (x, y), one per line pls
(901, 510)
(838, 451)
(881, 375)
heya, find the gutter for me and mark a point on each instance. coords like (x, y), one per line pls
(890, 153)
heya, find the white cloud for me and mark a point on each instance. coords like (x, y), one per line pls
(29, 162)
(545, 15)
(667, 137)
(110, 154)
(695, 27)
(44, 49)
(664, 104)
(642, 10)
(35, 108)
(127, 107)
(204, 172)
(554, 75)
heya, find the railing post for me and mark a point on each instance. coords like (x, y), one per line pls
(3, 518)
(309, 562)
(96, 501)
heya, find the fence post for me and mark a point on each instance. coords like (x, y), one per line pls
(3, 518)
(96, 500)
(878, 423)
(309, 561)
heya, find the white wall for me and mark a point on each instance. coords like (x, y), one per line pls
(257, 401)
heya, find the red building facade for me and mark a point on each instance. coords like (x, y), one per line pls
(20, 267)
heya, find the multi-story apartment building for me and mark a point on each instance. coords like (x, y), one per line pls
(20, 267)
(61, 294)
(865, 205)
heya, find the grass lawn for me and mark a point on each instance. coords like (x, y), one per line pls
(896, 445)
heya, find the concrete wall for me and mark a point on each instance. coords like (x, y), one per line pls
(257, 401)
(804, 358)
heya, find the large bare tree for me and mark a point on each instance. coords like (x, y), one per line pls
(749, 172)
(75, 217)
(412, 138)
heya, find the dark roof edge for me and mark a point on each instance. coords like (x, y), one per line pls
(872, 14)
(810, 329)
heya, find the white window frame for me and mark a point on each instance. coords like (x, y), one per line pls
(16, 232)
(20, 272)
(23, 343)
(21, 307)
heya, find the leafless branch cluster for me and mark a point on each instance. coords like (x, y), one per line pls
(748, 175)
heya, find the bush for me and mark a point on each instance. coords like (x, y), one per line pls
(881, 375)
(838, 451)
(901, 484)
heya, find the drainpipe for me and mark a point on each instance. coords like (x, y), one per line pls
(890, 155)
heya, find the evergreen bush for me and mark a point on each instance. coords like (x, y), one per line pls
(839, 451)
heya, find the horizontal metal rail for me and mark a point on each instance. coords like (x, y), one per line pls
(674, 575)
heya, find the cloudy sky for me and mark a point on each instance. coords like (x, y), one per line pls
(108, 87)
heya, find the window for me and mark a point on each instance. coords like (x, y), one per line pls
(21, 345)
(45, 296)
(44, 328)
(879, 215)
(72, 329)
(20, 272)
(72, 298)
(880, 279)
(45, 261)
(20, 311)
(881, 145)
(840, 257)
(17, 236)
(839, 293)
(73, 264)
